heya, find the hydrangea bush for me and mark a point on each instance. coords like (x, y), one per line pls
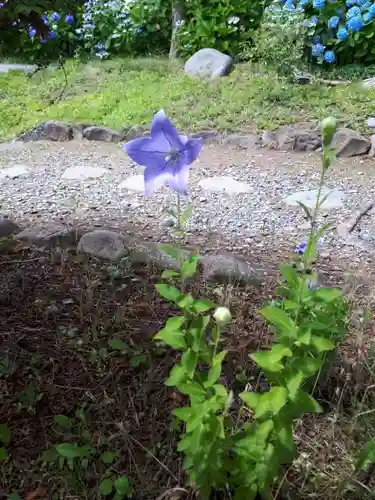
(341, 31)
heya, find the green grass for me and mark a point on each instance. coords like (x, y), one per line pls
(124, 92)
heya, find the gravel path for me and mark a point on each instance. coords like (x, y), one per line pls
(41, 191)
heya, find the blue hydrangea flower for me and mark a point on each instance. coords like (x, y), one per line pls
(318, 4)
(55, 16)
(52, 35)
(303, 3)
(371, 10)
(166, 154)
(69, 19)
(342, 34)
(310, 23)
(350, 3)
(365, 6)
(301, 248)
(333, 22)
(355, 24)
(289, 5)
(354, 11)
(330, 57)
(317, 50)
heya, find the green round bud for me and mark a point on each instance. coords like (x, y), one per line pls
(222, 316)
(329, 127)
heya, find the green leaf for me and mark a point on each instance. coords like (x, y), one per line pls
(304, 339)
(168, 292)
(189, 362)
(189, 267)
(4, 433)
(202, 305)
(106, 487)
(170, 274)
(366, 456)
(215, 370)
(328, 294)
(123, 486)
(185, 301)
(49, 456)
(271, 360)
(182, 413)
(118, 345)
(170, 250)
(71, 451)
(107, 457)
(271, 402)
(278, 317)
(306, 403)
(14, 496)
(251, 399)
(294, 383)
(322, 344)
(178, 372)
(3, 455)
(305, 209)
(63, 421)
(192, 389)
(171, 334)
(197, 329)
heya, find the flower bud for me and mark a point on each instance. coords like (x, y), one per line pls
(329, 127)
(222, 316)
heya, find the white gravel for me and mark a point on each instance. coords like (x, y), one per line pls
(255, 215)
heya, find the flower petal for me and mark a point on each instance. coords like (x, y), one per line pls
(155, 179)
(179, 180)
(191, 150)
(144, 151)
(163, 131)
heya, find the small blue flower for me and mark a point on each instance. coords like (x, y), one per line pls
(342, 34)
(44, 18)
(310, 23)
(289, 5)
(333, 22)
(317, 50)
(330, 57)
(301, 248)
(365, 6)
(32, 32)
(354, 11)
(350, 3)
(318, 4)
(100, 46)
(371, 10)
(52, 35)
(355, 24)
(55, 16)
(69, 19)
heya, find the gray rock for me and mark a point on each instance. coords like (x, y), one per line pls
(249, 141)
(369, 83)
(129, 133)
(11, 146)
(371, 122)
(50, 235)
(102, 134)
(372, 149)
(349, 143)
(78, 130)
(148, 254)
(302, 78)
(229, 269)
(269, 139)
(52, 130)
(134, 183)
(107, 245)
(26, 68)
(224, 183)
(207, 136)
(298, 138)
(7, 227)
(83, 172)
(334, 198)
(14, 172)
(208, 63)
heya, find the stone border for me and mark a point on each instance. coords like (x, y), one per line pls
(303, 137)
(112, 246)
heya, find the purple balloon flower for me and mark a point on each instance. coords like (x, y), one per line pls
(166, 155)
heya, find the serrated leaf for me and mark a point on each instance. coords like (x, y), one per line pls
(322, 344)
(63, 421)
(168, 292)
(189, 362)
(178, 372)
(118, 345)
(279, 318)
(106, 487)
(107, 457)
(71, 451)
(202, 305)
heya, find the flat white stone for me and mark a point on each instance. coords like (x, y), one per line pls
(14, 172)
(335, 198)
(133, 183)
(84, 172)
(224, 183)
